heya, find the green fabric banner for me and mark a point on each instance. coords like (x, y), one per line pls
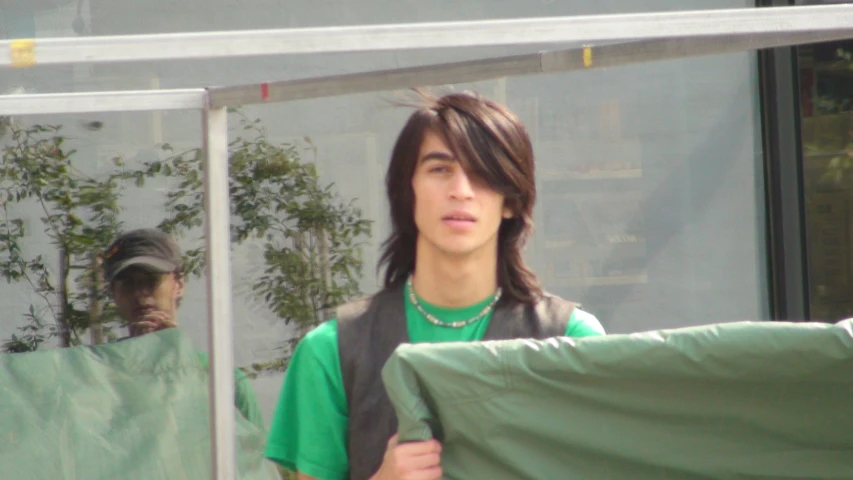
(136, 409)
(762, 400)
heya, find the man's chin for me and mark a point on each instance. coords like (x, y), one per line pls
(460, 250)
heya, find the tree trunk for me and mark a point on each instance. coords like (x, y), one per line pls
(62, 322)
(325, 269)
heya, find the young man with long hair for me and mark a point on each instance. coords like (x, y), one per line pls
(461, 189)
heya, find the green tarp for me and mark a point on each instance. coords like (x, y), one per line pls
(745, 400)
(136, 409)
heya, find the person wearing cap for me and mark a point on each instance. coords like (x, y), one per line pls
(144, 269)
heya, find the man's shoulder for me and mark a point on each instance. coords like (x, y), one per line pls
(354, 309)
(318, 346)
(554, 306)
(553, 298)
(324, 334)
(568, 315)
(578, 322)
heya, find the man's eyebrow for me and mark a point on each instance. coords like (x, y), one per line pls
(438, 155)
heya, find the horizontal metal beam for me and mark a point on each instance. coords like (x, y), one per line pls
(121, 101)
(517, 65)
(428, 75)
(586, 28)
(375, 81)
(615, 55)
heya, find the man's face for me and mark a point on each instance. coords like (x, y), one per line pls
(147, 300)
(456, 213)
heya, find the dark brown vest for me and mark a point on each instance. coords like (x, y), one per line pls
(370, 329)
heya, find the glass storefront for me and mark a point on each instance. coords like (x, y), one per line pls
(651, 210)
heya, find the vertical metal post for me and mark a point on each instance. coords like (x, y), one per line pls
(784, 182)
(218, 238)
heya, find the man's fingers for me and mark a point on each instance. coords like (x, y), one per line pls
(153, 322)
(419, 448)
(145, 325)
(160, 320)
(432, 473)
(157, 315)
(418, 462)
(413, 460)
(417, 458)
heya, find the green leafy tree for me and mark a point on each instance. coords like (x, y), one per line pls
(312, 238)
(78, 215)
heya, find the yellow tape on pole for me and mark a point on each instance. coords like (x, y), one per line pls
(23, 52)
(587, 56)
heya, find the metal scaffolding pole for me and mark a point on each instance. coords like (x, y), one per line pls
(217, 213)
(120, 101)
(583, 58)
(528, 31)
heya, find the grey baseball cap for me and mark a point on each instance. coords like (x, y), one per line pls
(148, 248)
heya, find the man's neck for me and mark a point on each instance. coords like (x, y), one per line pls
(455, 282)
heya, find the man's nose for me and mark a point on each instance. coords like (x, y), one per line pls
(461, 186)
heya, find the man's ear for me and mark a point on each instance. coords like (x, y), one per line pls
(180, 282)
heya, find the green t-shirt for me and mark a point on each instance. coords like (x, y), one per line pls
(244, 396)
(310, 424)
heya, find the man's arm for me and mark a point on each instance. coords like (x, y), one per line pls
(246, 400)
(309, 426)
(308, 432)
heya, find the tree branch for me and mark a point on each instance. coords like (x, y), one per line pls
(24, 272)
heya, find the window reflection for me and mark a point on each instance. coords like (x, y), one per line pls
(826, 106)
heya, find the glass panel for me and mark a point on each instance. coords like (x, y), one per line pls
(650, 207)
(826, 108)
(650, 210)
(69, 184)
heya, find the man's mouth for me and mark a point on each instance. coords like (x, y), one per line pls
(459, 220)
(460, 216)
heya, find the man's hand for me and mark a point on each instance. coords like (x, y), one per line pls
(411, 461)
(152, 322)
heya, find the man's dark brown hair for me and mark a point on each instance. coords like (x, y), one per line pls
(493, 146)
